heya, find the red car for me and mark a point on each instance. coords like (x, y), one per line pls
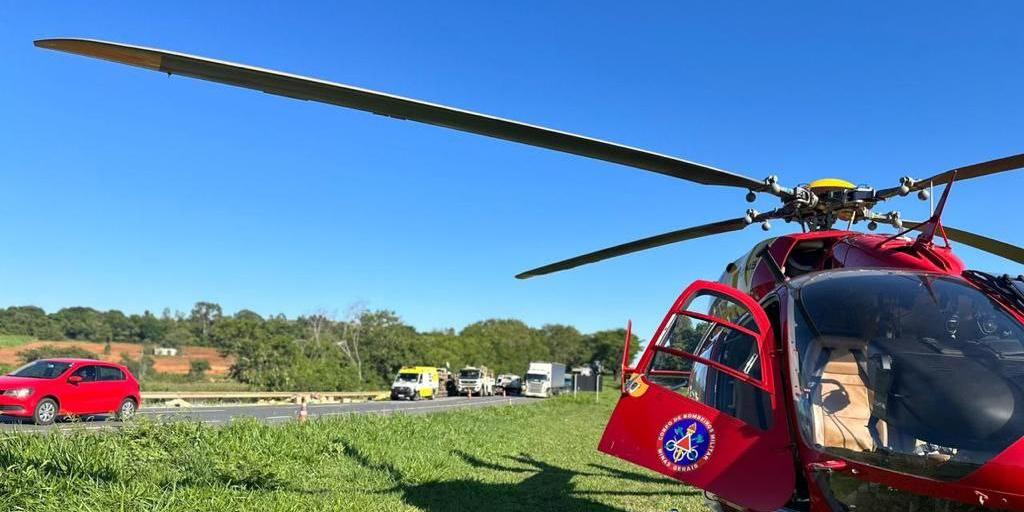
(48, 388)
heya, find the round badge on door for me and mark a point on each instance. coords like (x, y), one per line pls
(686, 442)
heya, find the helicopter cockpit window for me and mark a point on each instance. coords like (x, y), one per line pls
(807, 256)
(917, 373)
(724, 337)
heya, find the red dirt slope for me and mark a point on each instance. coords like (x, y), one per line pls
(178, 364)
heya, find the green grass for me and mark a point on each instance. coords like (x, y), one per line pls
(15, 340)
(538, 457)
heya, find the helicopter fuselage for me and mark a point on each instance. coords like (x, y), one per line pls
(834, 370)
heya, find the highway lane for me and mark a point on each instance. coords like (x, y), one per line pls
(220, 415)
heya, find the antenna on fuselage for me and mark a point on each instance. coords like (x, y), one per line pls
(934, 222)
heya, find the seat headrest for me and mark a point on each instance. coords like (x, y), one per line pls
(842, 342)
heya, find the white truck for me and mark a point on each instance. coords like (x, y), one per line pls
(476, 380)
(544, 379)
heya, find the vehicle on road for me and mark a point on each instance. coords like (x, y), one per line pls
(414, 383)
(476, 380)
(444, 381)
(508, 384)
(47, 389)
(545, 379)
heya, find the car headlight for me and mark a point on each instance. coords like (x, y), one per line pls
(18, 392)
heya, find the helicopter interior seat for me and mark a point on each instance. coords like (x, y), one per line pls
(841, 405)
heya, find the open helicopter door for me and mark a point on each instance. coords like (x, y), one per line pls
(701, 406)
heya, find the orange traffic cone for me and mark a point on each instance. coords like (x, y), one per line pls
(303, 412)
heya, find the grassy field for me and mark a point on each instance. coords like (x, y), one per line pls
(538, 457)
(14, 340)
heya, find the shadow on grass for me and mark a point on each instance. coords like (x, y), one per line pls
(549, 487)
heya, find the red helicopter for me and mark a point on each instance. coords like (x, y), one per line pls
(833, 370)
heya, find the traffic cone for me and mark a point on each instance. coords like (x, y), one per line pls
(469, 394)
(303, 412)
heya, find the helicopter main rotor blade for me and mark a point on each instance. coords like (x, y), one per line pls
(978, 170)
(714, 228)
(989, 245)
(311, 89)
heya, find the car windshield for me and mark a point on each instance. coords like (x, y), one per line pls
(469, 374)
(42, 370)
(536, 377)
(918, 373)
(407, 377)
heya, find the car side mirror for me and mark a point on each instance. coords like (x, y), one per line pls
(74, 379)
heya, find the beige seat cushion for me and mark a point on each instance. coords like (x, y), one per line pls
(842, 405)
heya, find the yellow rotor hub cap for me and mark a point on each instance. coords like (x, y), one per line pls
(830, 184)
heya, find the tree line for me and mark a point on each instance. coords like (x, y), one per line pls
(362, 349)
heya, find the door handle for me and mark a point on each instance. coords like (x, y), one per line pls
(828, 466)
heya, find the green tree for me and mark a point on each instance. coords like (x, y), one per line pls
(140, 367)
(54, 351)
(178, 336)
(566, 344)
(81, 323)
(202, 318)
(197, 368)
(121, 327)
(504, 345)
(386, 344)
(607, 346)
(149, 328)
(31, 321)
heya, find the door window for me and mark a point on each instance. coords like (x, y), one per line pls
(109, 373)
(709, 353)
(668, 369)
(731, 347)
(87, 373)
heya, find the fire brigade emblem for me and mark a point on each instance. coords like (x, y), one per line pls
(686, 442)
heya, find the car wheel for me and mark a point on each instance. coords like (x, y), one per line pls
(46, 412)
(126, 411)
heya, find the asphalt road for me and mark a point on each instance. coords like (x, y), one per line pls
(219, 415)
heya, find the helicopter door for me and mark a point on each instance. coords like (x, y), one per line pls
(701, 406)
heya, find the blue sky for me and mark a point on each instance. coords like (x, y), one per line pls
(126, 189)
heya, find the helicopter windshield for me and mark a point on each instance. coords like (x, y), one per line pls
(913, 372)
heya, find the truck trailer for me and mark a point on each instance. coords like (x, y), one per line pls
(544, 379)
